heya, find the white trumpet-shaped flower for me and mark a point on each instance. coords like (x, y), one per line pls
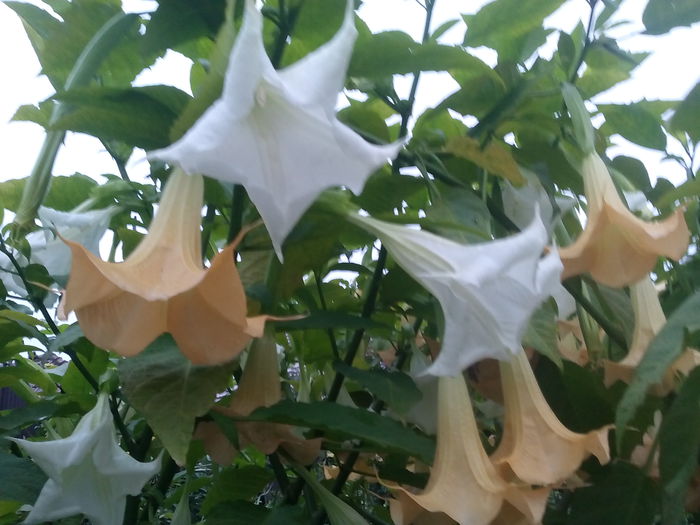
(487, 291)
(275, 132)
(88, 472)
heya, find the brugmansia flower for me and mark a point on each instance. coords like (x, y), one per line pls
(84, 227)
(259, 387)
(163, 287)
(463, 482)
(649, 318)
(487, 291)
(47, 249)
(88, 472)
(275, 132)
(616, 247)
(537, 447)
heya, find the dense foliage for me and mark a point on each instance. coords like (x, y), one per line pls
(321, 412)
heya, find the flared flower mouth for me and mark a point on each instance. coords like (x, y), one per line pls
(616, 247)
(487, 291)
(463, 482)
(536, 446)
(163, 287)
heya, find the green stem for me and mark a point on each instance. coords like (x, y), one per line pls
(95, 52)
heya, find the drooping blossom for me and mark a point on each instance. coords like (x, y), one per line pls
(616, 247)
(275, 132)
(259, 387)
(463, 482)
(536, 446)
(162, 286)
(649, 319)
(88, 472)
(487, 291)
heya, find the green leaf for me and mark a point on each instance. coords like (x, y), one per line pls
(347, 422)
(327, 319)
(663, 350)
(457, 213)
(339, 512)
(27, 415)
(396, 53)
(237, 513)
(625, 497)
(65, 194)
(140, 116)
(315, 24)
(385, 191)
(679, 442)
(607, 65)
(660, 16)
(236, 483)
(687, 114)
(494, 157)
(170, 391)
(395, 388)
(23, 480)
(38, 114)
(179, 21)
(634, 123)
(634, 171)
(541, 333)
(504, 25)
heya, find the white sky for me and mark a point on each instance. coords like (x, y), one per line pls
(668, 74)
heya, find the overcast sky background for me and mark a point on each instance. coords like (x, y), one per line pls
(669, 73)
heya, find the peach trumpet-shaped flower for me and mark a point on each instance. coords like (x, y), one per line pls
(162, 286)
(616, 247)
(649, 318)
(463, 483)
(536, 446)
(259, 387)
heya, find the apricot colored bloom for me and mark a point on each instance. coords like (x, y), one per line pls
(616, 247)
(275, 132)
(259, 387)
(537, 447)
(162, 286)
(463, 482)
(487, 291)
(649, 319)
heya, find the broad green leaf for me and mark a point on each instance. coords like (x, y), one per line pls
(27, 415)
(634, 171)
(339, 512)
(178, 21)
(385, 191)
(660, 16)
(624, 497)
(346, 422)
(170, 391)
(396, 53)
(22, 479)
(663, 350)
(457, 213)
(40, 114)
(635, 124)
(687, 115)
(685, 191)
(607, 65)
(541, 333)
(504, 25)
(236, 483)
(327, 319)
(237, 513)
(140, 117)
(365, 121)
(395, 388)
(679, 442)
(316, 22)
(494, 157)
(65, 194)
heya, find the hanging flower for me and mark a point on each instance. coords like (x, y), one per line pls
(463, 482)
(88, 472)
(163, 287)
(487, 291)
(649, 318)
(616, 247)
(259, 387)
(535, 444)
(275, 132)
(47, 249)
